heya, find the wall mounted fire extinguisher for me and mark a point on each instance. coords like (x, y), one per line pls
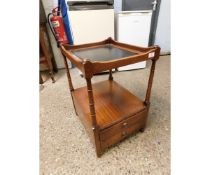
(55, 21)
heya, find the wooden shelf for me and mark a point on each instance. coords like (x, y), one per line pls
(113, 103)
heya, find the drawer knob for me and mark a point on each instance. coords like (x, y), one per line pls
(125, 125)
(124, 133)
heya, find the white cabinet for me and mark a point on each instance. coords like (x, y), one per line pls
(134, 28)
(91, 25)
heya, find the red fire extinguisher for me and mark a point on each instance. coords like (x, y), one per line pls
(58, 27)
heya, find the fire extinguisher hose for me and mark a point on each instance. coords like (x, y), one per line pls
(48, 20)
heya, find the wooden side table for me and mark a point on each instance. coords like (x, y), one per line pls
(108, 111)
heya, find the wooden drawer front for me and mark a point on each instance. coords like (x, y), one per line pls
(123, 129)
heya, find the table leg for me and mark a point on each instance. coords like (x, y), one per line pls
(93, 117)
(40, 78)
(110, 75)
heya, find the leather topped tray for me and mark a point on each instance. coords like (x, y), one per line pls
(103, 53)
(106, 55)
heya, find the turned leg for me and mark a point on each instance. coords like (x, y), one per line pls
(40, 78)
(49, 65)
(52, 75)
(93, 117)
(110, 75)
(152, 70)
(99, 154)
(142, 129)
(71, 88)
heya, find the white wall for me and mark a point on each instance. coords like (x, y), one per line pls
(163, 33)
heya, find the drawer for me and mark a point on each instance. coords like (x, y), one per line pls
(123, 129)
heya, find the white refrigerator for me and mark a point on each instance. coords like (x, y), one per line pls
(133, 27)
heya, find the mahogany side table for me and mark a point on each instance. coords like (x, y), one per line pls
(108, 111)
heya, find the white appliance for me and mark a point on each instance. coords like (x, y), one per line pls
(133, 27)
(91, 21)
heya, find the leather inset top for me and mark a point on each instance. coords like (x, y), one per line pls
(103, 53)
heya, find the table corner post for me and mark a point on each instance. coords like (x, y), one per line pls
(95, 127)
(88, 74)
(110, 75)
(151, 76)
(68, 73)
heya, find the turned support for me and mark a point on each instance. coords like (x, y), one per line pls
(52, 75)
(149, 87)
(152, 71)
(93, 117)
(110, 75)
(91, 102)
(40, 79)
(68, 74)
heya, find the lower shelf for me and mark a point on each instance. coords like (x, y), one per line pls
(113, 103)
